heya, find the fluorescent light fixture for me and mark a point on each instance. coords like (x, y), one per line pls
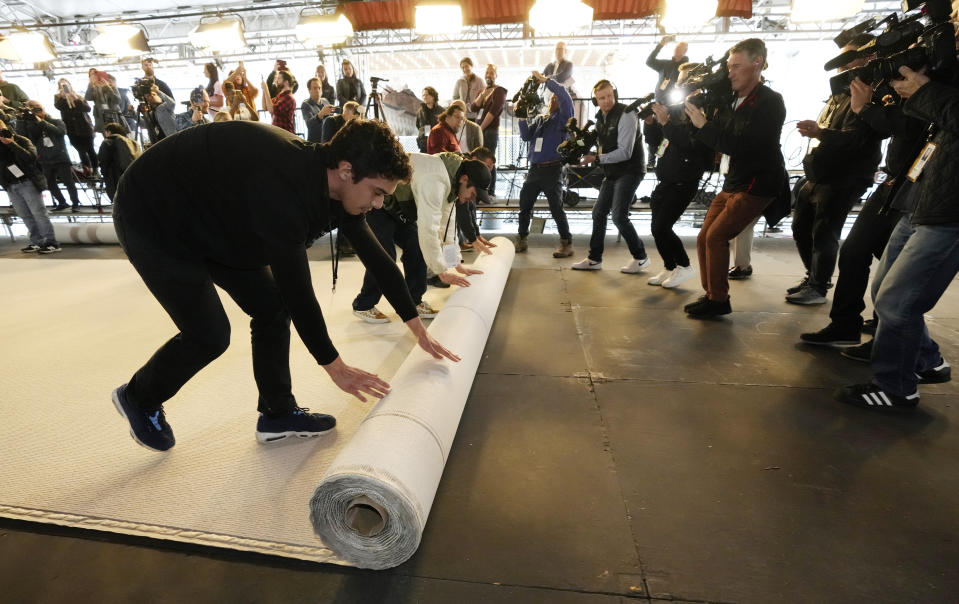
(685, 14)
(323, 30)
(435, 19)
(219, 35)
(121, 40)
(27, 47)
(810, 11)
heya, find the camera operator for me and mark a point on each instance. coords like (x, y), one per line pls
(683, 159)
(103, 93)
(282, 106)
(271, 85)
(620, 155)
(875, 222)
(332, 124)
(185, 232)
(315, 110)
(76, 115)
(921, 259)
(844, 152)
(668, 70)
(148, 64)
(197, 112)
(747, 133)
(544, 133)
(48, 135)
(21, 178)
(157, 110)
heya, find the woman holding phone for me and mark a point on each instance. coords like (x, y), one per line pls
(76, 115)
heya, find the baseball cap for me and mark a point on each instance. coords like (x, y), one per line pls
(479, 176)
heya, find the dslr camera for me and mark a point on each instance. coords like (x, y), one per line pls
(924, 39)
(527, 99)
(579, 142)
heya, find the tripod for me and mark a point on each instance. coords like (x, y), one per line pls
(375, 102)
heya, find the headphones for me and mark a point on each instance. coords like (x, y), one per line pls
(603, 84)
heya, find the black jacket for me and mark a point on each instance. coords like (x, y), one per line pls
(848, 150)
(47, 136)
(685, 158)
(907, 134)
(76, 118)
(350, 89)
(116, 154)
(750, 136)
(937, 190)
(242, 220)
(23, 154)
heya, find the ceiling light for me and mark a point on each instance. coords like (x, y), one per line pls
(808, 11)
(27, 47)
(558, 16)
(685, 14)
(121, 40)
(434, 19)
(218, 35)
(323, 30)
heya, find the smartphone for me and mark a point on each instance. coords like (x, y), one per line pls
(65, 87)
(5, 133)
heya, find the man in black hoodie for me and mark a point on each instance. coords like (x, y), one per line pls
(185, 232)
(840, 165)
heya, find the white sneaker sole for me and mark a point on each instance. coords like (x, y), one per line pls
(640, 268)
(272, 437)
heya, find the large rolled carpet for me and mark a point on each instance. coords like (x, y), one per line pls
(75, 329)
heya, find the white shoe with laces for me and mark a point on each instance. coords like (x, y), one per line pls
(636, 266)
(660, 277)
(372, 315)
(587, 265)
(679, 276)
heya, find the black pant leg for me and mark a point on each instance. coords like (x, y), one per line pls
(803, 216)
(551, 183)
(50, 174)
(383, 226)
(414, 265)
(866, 240)
(65, 174)
(831, 212)
(669, 201)
(527, 199)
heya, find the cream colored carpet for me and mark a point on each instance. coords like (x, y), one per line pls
(73, 330)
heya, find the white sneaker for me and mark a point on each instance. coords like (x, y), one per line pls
(680, 275)
(636, 266)
(425, 311)
(662, 276)
(372, 315)
(587, 265)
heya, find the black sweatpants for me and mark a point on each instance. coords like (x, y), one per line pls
(84, 146)
(668, 202)
(185, 290)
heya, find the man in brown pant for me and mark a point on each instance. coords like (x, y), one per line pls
(747, 134)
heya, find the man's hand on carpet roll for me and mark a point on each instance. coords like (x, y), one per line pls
(427, 342)
(467, 271)
(356, 381)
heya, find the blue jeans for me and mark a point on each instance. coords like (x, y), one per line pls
(27, 202)
(918, 265)
(615, 195)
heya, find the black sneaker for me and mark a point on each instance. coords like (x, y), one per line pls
(871, 396)
(937, 375)
(296, 423)
(710, 309)
(861, 353)
(798, 286)
(49, 248)
(869, 326)
(831, 335)
(148, 428)
(738, 274)
(30, 249)
(699, 302)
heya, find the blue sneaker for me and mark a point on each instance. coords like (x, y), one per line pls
(148, 428)
(296, 423)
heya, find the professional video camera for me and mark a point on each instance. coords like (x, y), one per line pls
(711, 79)
(643, 107)
(142, 88)
(579, 142)
(925, 39)
(527, 99)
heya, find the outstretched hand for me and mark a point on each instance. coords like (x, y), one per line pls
(355, 381)
(467, 271)
(428, 343)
